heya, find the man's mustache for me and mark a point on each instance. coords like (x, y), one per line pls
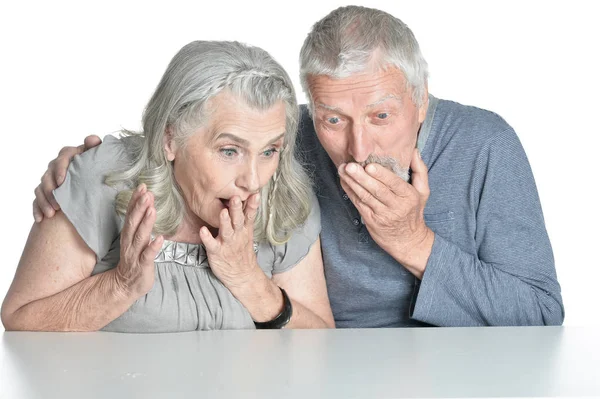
(387, 162)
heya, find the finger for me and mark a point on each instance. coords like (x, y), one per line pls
(69, 152)
(48, 185)
(420, 177)
(43, 203)
(225, 229)
(143, 234)
(38, 215)
(132, 222)
(149, 254)
(210, 243)
(91, 142)
(236, 213)
(395, 184)
(378, 183)
(359, 193)
(58, 167)
(137, 193)
(252, 204)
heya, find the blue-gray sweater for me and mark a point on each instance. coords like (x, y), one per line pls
(491, 261)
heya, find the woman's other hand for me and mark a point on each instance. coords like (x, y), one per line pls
(135, 271)
(44, 204)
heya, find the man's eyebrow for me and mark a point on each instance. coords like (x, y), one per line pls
(384, 99)
(376, 103)
(329, 107)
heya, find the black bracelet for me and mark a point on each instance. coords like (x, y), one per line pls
(282, 318)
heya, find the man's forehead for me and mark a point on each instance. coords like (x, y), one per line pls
(366, 105)
(378, 85)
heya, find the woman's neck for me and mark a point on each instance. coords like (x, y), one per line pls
(189, 229)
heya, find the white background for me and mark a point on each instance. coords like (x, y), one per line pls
(72, 69)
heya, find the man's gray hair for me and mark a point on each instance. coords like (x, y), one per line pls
(197, 73)
(347, 40)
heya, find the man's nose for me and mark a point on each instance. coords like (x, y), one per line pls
(360, 143)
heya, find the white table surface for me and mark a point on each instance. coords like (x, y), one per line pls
(383, 363)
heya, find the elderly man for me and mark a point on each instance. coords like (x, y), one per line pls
(430, 214)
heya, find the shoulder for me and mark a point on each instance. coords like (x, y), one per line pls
(469, 125)
(111, 155)
(285, 256)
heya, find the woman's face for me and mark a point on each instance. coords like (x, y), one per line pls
(236, 153)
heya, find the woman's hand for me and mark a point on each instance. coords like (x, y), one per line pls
(135, 271)
(231, 254)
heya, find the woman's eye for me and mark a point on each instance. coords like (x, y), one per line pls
(269, 153)
(383, 115)
(333, 120)
(228, 152)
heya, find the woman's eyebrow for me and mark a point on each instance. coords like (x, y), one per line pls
(277, 138)
(243, 142)
(237, 139)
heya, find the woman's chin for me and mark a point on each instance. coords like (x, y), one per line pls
(212, 223)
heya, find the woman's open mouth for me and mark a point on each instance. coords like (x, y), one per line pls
(225, 202)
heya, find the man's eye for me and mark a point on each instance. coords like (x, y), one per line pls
(228, 152)
(383, 115)
(333, 120)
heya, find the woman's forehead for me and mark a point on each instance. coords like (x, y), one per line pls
(231, 116)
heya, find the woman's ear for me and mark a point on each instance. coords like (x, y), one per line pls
(169, 145)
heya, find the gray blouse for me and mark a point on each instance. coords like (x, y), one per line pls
(186, 295)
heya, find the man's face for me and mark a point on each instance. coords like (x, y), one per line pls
(370, 113)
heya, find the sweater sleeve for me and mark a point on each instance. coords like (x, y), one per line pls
(511, 280)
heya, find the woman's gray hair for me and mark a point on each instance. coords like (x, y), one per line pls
(197, 73)
(346, 40)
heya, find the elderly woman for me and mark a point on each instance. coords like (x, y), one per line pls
(204, 220)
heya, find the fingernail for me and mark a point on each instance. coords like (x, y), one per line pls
(371, 168)
(144, 199)
(341, 168)
(351, 168)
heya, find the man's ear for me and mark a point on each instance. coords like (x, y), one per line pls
(169, 145)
